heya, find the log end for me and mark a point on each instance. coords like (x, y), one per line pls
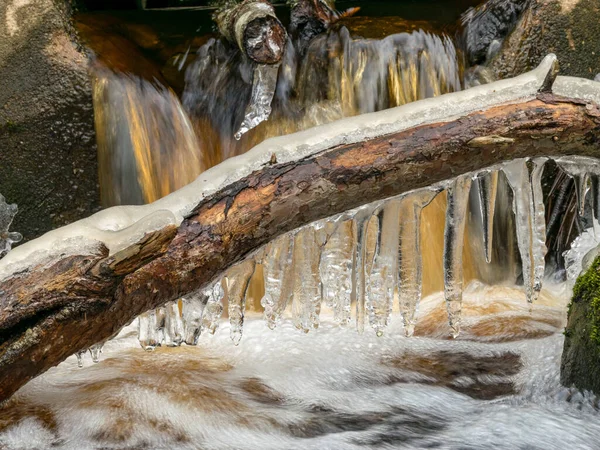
(264, 40)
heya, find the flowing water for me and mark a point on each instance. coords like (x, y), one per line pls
(399, 268)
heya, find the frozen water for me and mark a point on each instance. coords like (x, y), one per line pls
(263, 90)
(528, 204)
(487, 186)
(410, 265)
(454, 234)
(7, 238)
(173, 208)
(238, 278)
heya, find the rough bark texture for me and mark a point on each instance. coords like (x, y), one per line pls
(47, 142)
(568, 28)
(581, 353)
(51, 311)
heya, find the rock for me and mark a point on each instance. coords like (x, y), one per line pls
(486, 25)
(568, 28)
(47, 141)
(580, 365)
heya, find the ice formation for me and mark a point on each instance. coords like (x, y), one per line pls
(356, 262)
(278, 278)
(454, 233)
(381, 282)
(263, 90)
(7, 238)
(336, 271)
(410, 268)
(238, 278)
(306, 303)
(528, 205)
(487, 185)
(119, 227)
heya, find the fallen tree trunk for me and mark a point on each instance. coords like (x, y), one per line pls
(54, 308)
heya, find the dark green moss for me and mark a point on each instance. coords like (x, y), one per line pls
(580, 365)
(587, 289)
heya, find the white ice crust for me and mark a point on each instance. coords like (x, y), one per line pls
(577, 88)
(121, 226)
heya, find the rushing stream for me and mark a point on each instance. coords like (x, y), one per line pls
(466, 258)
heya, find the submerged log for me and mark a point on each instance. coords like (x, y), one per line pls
(253, 26)
(51, 308)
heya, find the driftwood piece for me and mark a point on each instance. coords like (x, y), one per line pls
(53, 310)
(253, 26)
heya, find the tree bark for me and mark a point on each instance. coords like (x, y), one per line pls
(51, 311)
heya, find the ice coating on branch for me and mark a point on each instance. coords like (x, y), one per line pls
(381, 281)
(454, 234)
(487, 186)
(7, 238)
(410, 266)
(238, 278)
(214, 307)
(306, 304)
(104, 226)
(192, 310)
(258, 110)
(278, 274)
(574, 87)
(336, 271)
(528, 205)
(360, 269)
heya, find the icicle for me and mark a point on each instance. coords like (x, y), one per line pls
(193, 307)
(238, 278)
(278, 277)
(360, 270)
(382, 277)
(410, 268)
(538, 214)
(336, 271)
(95, 351)
(80, 354)
(528, 205)
(7, 214)
(148, 333)
(174, 328)
(214, 308)
(487, 185)
(263, 90)
(306, 304)
(578, 168)
(454, 233)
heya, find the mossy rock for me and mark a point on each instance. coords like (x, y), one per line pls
(568, 28)
(580, 366)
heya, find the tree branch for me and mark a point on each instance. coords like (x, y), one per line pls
(51, 310)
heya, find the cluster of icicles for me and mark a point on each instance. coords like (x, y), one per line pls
(340, 262)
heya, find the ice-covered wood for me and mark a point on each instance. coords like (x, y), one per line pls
(54, 306)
